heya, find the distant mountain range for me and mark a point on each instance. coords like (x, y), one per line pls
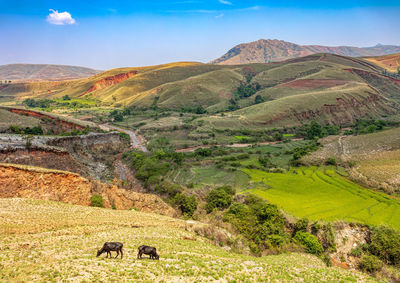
(43, 72)
(267, 50)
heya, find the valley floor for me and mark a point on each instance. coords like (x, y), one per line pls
(50, 241)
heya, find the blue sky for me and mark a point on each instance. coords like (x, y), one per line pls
(109, 34)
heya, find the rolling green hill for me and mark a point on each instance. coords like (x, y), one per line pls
(325, 87)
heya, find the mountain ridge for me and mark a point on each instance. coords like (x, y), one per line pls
(44, 72)
(273, 50)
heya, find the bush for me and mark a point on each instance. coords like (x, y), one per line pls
(301, 225)
(186, 204)
(356, 252)
(218, 198)
(331, 161)
(385, 244)
(370, 263)
(310, 242)
(96, 201)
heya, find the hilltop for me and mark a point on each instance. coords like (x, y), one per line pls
(44, 72)
(389, 62)
(328, 88)
(267, 50)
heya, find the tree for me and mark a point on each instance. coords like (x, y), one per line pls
(219, 198)
(258, 99)
(314, 130)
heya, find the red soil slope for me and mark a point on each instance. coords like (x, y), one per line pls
(110, 81)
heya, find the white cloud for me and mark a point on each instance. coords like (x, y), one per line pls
(56, 18)
(220, 15)
(225, 2)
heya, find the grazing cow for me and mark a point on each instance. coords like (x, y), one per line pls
(108, 247)
(147, 251)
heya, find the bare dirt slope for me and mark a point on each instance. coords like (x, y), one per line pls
(38, 183)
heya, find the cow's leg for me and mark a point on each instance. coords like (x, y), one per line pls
(122, 254)
(117, 254)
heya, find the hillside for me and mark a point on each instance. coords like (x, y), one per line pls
(389, 62)
(63, 247)
(43, 72)
(375, 157)
(267, 50)
(329, 88)
(40, 183)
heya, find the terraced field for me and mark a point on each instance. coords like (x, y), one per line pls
(44, 241)
(320, 193)
(376, 157)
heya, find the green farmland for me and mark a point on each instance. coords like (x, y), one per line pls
(322, 194)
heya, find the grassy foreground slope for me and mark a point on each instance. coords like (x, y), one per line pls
(322, 194)
(49, 241)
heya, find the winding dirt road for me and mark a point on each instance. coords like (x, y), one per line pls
(136, 140)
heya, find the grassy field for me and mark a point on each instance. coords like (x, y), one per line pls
(207, 173)
(320, 193)
(8, 119)
(45, 241)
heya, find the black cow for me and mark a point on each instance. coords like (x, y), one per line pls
(108, 247)
(147, 251)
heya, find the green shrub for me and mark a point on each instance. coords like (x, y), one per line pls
(218, 198)
(385, 244)
(331, 161)
(97, 201)
(186, 204)
(370, 263)
(301, 225)
(356, 252)
(310, 242)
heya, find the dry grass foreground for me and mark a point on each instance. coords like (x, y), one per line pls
(52, 242)
(39, 183)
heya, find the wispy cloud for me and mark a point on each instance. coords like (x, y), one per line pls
(220, 15)
(56, 18)
(225, 2)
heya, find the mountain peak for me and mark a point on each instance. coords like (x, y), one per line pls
(274, 50)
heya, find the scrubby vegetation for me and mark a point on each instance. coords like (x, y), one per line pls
(96, 201)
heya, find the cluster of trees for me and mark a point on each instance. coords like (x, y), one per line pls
(197, 110)
(370, 126)
(47, 103)
(263, 225)
(38, 103)
(37, 130)
(153, 166)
